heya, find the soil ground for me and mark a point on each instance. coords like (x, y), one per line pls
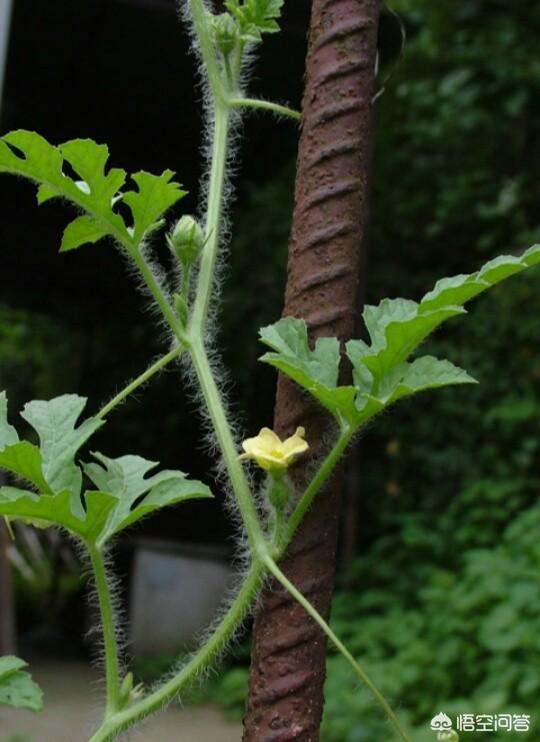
(72, 702)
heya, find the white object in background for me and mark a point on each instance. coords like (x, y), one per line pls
(176, 592)
(5, 25)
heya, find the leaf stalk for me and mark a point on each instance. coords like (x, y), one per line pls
(112, 664)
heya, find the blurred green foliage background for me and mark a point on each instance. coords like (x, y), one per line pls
(442, 598)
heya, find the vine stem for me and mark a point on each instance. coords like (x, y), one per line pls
(216, 188)
(206, 47)
(227, 445)
(115, 720)
(158, 295)
(319, 480)
(236, 613)
(264, 105)
(141, 379)
(112, 666)
(316, 616)
(205, 285)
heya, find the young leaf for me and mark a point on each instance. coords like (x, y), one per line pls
(16, 687)
(43, 511)
(98, 188)
(24, 460)
(156, 194)
(96, 191)
(80, 231)
(124, 478)
(255, 17)
(10, 664)
(124, 493)
(314, 370)
(55, 422)
(19, 457)
(459, 289)
(44, 164)
(396, 328)
(407, 379)
(40, 510)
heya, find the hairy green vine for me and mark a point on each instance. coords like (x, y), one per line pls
(98, 499)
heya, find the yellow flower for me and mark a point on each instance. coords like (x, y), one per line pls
(273, 454)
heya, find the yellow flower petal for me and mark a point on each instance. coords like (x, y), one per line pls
(295, 445)
(270, 452)
(269, 437)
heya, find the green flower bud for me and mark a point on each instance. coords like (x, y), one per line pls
(225, 33)
(187, 240)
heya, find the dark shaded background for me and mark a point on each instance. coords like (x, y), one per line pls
(120, 72)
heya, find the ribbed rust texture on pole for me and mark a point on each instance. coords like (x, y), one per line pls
(325, 258)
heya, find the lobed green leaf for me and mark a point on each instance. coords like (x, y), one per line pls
(155, 195)
(314, 370)
(51, 468)
(19, 457)
(96, 190)
(137, 495)
(55, 422)
(125, 493)
(56, 510)
(10, 664)
(24, 460)
(16, 687)
(80, 231)
(255, 17)
(396, 327)
(410, 378)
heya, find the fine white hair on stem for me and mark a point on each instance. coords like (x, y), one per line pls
(119, 613)
(205, 635)
(242, 556)
(231, 165)
(161, 280)
(232, 160)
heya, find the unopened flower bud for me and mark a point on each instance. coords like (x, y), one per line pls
(187, 240)
(225, 33)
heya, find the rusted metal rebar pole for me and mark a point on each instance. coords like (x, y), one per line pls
(324, 270)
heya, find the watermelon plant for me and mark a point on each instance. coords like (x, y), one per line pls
(97, 497)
